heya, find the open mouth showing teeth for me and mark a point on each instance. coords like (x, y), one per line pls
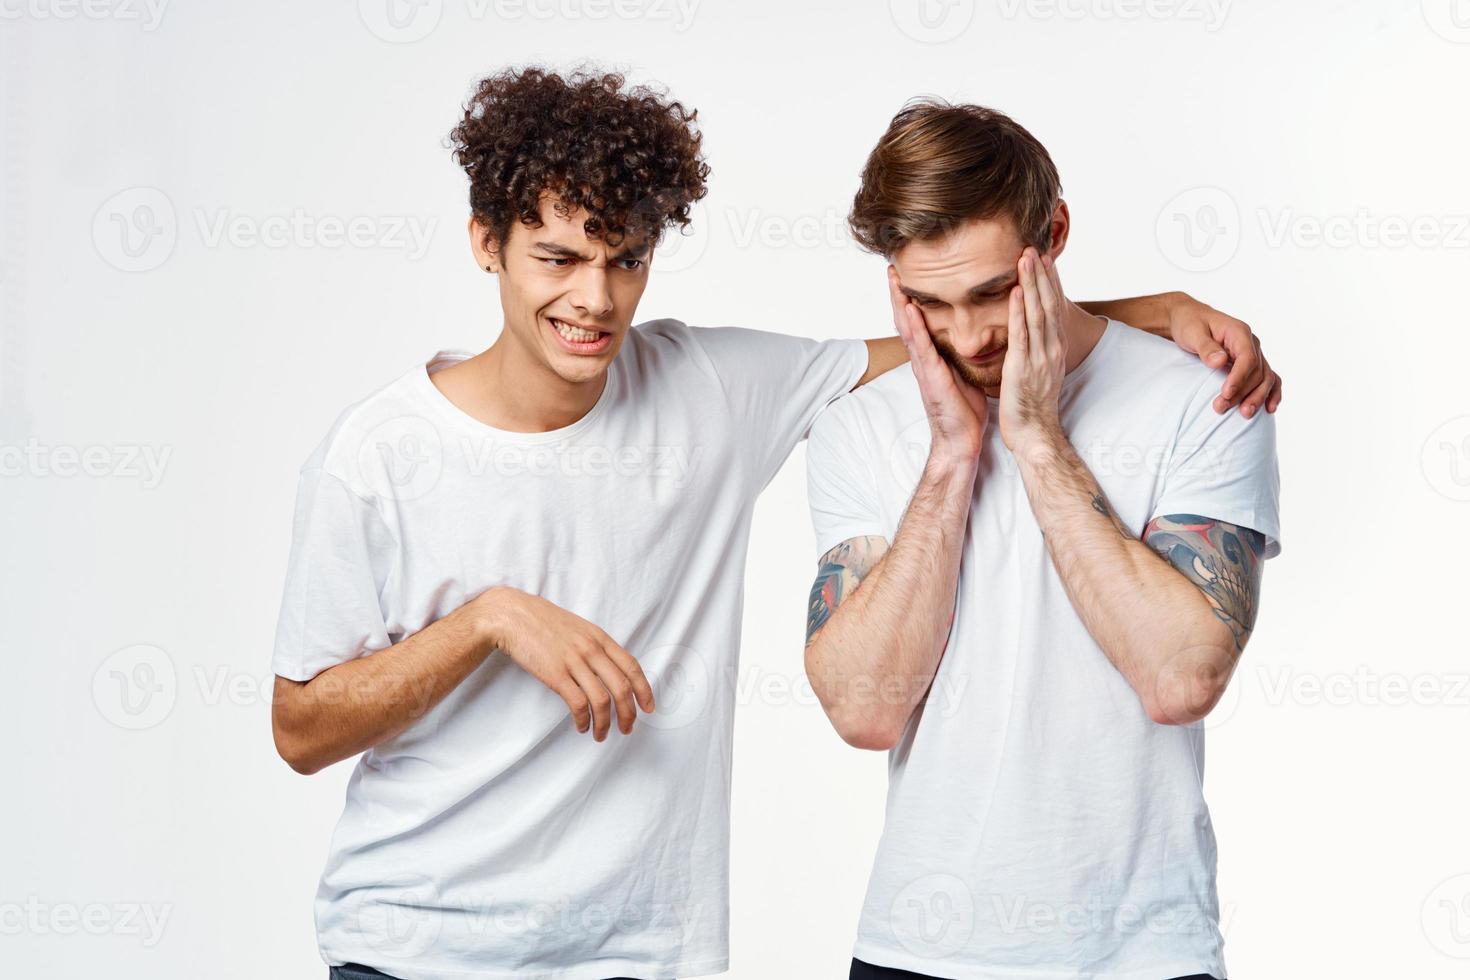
(577, 335)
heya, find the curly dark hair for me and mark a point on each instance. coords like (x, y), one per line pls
(631, 157)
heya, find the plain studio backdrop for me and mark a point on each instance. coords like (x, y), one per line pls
(223, 223)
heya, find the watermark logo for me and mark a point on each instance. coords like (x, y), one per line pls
(400, 21)
(146, 464)
(135, 230)
(932, 21)
(136, 687)
(1210, 13)
(401, 916)
(682, 685)
(1446, 917)
(1450, 19)
(148, 14)
(401, 458)
(933, 916)
(1199, 229)
(1445, 459)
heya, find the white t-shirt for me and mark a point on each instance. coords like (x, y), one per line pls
(1039, 825)
(491, 839)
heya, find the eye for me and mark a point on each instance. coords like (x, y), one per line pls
(927, 304)
(557, 263)
(631, 265)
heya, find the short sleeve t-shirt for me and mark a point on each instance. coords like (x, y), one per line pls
(490, 838)
(1039, 825)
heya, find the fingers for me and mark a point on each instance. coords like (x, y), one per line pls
(1275, 399)
(616, 681)
(1049, 284)
(633, 671)
(1016, 337)
(1245, 374)
(1035, 315)
(1261, 395)
(598, 700)
(581, 707)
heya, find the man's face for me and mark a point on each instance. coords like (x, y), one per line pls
(568, 299)
(961, 283)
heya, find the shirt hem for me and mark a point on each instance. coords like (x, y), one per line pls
(950, 969)
(599, 970)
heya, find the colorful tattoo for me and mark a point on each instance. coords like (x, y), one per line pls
(839, 572)
(1223, 560)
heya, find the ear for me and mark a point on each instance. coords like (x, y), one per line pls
(486, 250)
(1061, 226)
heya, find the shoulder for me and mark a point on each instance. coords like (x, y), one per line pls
(1157, 369)
(396, 418)
(889, 402)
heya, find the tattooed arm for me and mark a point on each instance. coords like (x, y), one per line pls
(1172, 612)
(879, 617)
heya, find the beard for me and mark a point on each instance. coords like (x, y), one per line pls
(975, 375)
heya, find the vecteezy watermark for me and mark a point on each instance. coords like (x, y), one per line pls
(1362, 229)
(933, 916)
(1450, 19)
(1210, 13)
(37, 918)
(1445, 459)
(1096, 915)
(136, 687)
(1199, 229)
(932, 21)
(405, 233)
(403, 916)
(672, 463)
(146, 13)
(407, 21)
(1363, 687)
(136, 230)
(1446, 917)
(34, 458)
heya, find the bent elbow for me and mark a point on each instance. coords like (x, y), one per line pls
(874, 733)
(1187, 695)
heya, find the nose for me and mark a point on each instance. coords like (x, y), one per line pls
(975, 331)
(590, 293)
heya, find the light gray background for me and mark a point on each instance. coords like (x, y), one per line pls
(1314, 152)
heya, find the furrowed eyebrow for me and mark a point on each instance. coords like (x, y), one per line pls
(560, 251)
(991, 285)
(994, 283)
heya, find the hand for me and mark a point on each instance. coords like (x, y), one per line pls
(1036, 357)
(1220, 340)
(957, 411)
(584, 666)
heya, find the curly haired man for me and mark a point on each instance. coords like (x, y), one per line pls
(499, 559)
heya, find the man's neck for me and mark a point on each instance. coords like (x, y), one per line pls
(1083, 331)
(506, 387)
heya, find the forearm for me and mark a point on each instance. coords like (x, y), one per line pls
(875, 657)
(1147, 313)
(1150, 621)
(356, 705)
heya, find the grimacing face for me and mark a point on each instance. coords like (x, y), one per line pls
(961, 283)
(568, 300)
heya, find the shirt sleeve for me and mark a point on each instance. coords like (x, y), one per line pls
(341, 552)
(840, 487)
(777, 384)
(1224, 467)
